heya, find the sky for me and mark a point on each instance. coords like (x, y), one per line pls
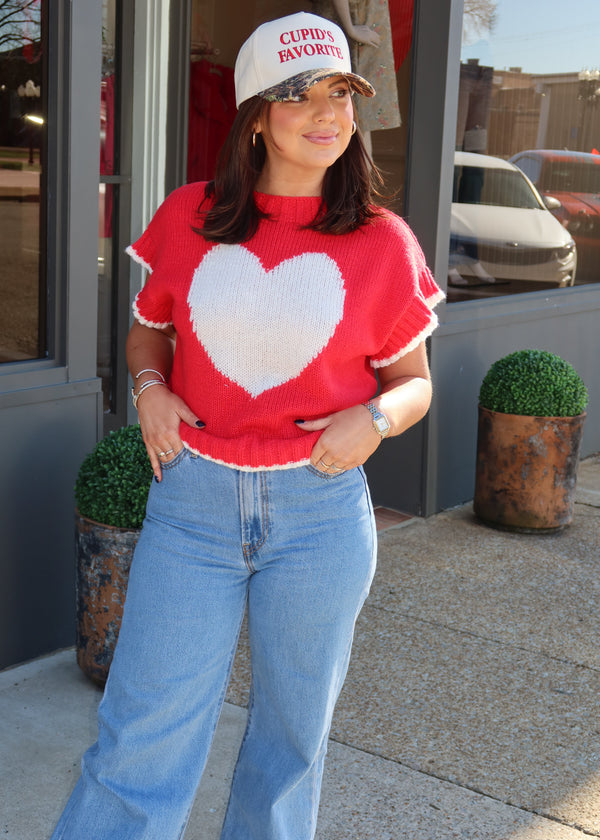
(541, 36)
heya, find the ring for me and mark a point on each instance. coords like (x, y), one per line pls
(164, 454)
(331, 466)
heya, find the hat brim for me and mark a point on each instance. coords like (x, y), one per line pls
(295, 86)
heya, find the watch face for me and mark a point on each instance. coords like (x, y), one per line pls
(382, 424)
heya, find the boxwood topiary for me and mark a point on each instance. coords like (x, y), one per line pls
(534, 383)
(114, 479)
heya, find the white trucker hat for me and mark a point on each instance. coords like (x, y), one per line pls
(285, 57)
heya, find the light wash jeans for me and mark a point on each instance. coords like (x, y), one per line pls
(298, 547)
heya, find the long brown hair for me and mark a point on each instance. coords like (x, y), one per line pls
(348, 199)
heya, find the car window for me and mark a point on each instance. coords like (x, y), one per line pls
(530, 166)
(571, 176)
(496, 187)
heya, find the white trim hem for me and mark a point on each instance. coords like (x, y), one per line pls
(378, 363)
(245, 467)
(130, 250)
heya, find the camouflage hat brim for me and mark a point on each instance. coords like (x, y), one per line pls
(295, 86)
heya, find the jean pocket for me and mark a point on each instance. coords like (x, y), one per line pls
(175, 461)
(324, 475)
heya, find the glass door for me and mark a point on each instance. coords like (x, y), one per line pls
(114, 207)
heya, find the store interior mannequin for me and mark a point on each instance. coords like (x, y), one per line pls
(367, 26)
(362, 34)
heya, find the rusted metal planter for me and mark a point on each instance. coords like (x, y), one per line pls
(103, 556)
(526, 470)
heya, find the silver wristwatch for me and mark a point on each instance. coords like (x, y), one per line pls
(380, 422)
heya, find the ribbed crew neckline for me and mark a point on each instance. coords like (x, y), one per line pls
(299, 209)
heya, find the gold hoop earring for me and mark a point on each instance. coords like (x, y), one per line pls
(354, 126)
(254, 139)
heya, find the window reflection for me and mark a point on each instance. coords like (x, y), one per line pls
(526, 108)
(570, 182)
(22, 131)
(502, 234)
(493, 186)
(106, 205)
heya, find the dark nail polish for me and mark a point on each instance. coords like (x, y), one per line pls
(200, 424)
(299, 421)
(156, 479)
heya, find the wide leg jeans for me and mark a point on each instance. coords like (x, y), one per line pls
(297, 547)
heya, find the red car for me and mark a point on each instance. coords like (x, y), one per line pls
(573, 180)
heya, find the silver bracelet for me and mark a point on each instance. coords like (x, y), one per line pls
(150, 370)
(135, 397)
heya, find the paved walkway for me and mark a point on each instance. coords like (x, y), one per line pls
(470, 710)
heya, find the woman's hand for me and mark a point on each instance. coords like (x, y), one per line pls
(160, 413)
(349, 436)
(150, 357)
(361, 33)
(348, 439)
(365, 35)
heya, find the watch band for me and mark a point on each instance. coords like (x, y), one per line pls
(380, 422)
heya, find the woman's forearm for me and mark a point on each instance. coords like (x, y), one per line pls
(150, 358)
(342, 8)
(404, 402)
(405, 394)
(149, 350)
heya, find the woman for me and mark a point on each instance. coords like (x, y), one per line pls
(274, 294)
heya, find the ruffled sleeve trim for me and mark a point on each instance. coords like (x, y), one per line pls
(130, 250)
(146, 322)
(412, 345)
(415, 324)
(436, 297)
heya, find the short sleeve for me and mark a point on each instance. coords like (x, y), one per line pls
(153, 303)
(143, 250)
(153, 250)
(411, 296)
(431, 292)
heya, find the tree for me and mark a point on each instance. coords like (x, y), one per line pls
(20, 23)
(479, 17)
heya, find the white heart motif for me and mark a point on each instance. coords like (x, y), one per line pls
(262, 328)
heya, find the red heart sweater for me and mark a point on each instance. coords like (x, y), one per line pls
(291, 324)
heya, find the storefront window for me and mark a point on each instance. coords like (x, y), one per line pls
(526, 192)
(106, 200)
(113, 200)
(23, 116)
(216, 36)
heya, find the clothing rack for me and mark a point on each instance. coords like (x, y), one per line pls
(203, 49)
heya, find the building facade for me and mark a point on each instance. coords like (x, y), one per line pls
(106, 107)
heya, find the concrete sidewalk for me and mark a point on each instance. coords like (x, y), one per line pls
(470, 710)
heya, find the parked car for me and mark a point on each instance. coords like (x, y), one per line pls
(501, 230)
(572, 178)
